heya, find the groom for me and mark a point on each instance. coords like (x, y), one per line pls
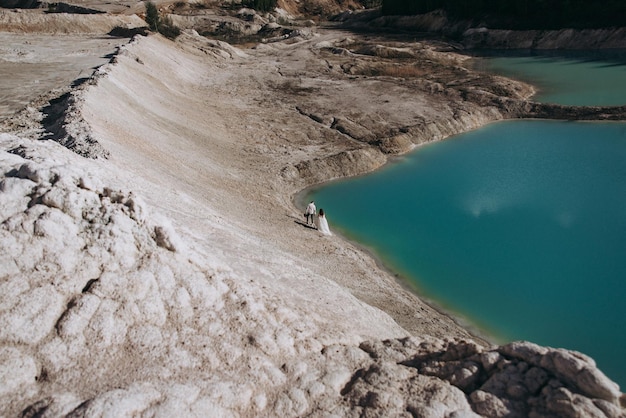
(309, 213)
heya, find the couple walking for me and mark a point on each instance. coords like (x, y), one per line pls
(322, 223)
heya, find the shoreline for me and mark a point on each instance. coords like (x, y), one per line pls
(403, 280)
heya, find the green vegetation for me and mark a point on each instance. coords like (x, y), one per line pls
(164, 26)
(520, 14)
(152, 16)
(168, 29)
(260, 5)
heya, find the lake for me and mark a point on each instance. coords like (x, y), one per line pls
(518, 228)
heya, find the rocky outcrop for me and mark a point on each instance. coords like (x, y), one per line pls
(519, 379)
(555, 111)
(63, 123)
(343, 164)
(485, 38)
(511, 108)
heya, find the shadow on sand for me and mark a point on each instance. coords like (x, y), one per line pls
(303, 223)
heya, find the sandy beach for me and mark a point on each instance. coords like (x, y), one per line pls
(155, 261)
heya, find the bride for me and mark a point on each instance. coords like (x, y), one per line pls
(323, 223)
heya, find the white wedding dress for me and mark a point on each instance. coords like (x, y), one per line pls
(323, 225)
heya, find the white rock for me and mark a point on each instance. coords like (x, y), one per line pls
(16, 370)
(33, 317)
(78, 315)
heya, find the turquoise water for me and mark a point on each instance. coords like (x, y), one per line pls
(572, 78)
(519, 227)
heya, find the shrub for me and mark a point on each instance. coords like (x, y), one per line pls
(164, 26)
(168, 29)
(152, 16)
